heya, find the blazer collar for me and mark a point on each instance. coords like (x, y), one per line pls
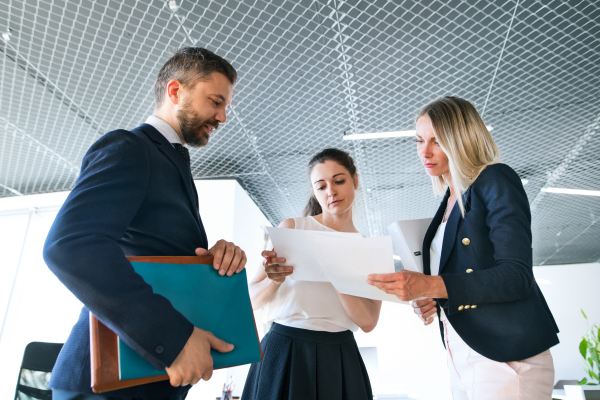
(450, 234)
(452, 225)
(430, 234)
(169, 151)
(454, 221)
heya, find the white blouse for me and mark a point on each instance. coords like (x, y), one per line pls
(315, 306)
(435, 254)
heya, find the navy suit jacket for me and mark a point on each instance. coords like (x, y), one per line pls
(134, 197)
(486, 262)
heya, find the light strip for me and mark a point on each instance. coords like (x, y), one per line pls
(572, 191)
(396, 257)
(385, 135)
(380, 135)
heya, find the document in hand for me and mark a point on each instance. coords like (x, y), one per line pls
(299, 249)
(343, 259)
(218, 304)
(408, 238)
(348, 261)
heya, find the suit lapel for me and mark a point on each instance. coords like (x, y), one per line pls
(452, 226)
(430, 234)
(169, 151)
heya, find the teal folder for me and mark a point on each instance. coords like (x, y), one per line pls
(218, 304)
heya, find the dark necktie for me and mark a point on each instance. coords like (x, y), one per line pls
(185, 154)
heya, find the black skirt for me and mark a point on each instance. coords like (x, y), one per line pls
(300, 364)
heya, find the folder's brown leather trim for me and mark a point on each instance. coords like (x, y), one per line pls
(105, 360)
(128, 383)
(173, 260)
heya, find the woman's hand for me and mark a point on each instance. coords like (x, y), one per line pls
(268, 279)
(425, 309)
(409, 285)
(274, 270)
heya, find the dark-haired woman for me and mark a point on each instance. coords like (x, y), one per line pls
(310, 351)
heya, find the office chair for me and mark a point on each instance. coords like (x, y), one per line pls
(38, 361)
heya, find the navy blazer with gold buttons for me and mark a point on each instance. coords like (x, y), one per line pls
(494, 302)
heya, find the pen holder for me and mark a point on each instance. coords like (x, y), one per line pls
(226, 395)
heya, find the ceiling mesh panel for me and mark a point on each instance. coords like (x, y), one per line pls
(311, 72)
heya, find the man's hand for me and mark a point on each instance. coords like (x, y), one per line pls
(195, 362)
(409, 285)
(425, 309)
(229, 258)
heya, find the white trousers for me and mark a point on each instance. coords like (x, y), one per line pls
(475, 377)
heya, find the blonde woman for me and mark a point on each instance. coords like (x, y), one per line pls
(477, 259)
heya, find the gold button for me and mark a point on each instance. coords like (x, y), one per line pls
(461, 308)
(469, 271)
(473, 306)
(466, 241)
(467, 307)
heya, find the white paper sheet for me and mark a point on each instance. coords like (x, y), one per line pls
(344, 259)
(348, 261)
(298, 248)
(408, 238)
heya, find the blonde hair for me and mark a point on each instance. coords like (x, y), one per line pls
(465, 140)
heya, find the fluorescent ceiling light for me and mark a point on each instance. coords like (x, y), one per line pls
(379, 135)
(384, 135)
(524, 181)
(543, 281)
(572, 191)
(396, 257)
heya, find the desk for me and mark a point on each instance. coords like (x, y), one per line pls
(577, 392)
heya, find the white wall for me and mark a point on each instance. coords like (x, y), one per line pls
(36, 294)
(568, 289)
(216, 200)
(412, 358)
(12, 235)
(229, 213)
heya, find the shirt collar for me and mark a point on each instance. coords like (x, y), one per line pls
(165, 129)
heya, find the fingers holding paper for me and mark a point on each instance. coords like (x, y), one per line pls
(409, 285)
(274, 268)
(399, 284)
(425, 309)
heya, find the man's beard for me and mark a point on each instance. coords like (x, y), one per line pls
(192, 127)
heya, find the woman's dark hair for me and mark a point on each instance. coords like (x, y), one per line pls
(332, 154)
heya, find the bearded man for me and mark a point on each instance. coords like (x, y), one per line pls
(135, 196)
